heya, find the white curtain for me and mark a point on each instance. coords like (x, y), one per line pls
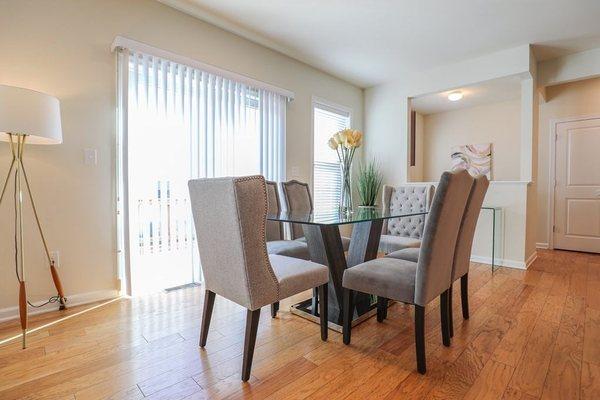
(234, 129)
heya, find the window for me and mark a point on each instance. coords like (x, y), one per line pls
(327, 179)
(180, 122)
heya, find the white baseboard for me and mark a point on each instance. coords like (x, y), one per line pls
(542, 245)
(505, 262)
(499, 262)
(72, 300)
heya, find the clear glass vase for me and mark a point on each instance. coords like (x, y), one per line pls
(346, 195)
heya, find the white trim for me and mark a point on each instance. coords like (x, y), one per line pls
(543, 246)
(11, 313)
(502, 262)
(552, 170)
(122, 172)
(121, 42)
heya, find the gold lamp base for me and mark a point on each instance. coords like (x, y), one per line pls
(17, 169)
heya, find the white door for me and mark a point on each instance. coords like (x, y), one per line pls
(577, 188)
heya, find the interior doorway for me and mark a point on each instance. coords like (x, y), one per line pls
(577, 185)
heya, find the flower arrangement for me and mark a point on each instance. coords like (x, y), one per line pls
(345, 143)
(369, 184)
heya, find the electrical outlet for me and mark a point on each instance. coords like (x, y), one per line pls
(55, 258)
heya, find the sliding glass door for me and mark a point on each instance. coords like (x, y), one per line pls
(183, 123)
(162, 156)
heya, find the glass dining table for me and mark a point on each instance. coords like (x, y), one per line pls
(322, 234)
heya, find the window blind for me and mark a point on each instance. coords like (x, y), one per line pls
(327, 180)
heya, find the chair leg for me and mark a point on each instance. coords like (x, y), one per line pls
(209, 301)
(323, 311)
(444, 318)
(450, 313)
(420, 338)
(252, 318)
(274, 309)
(382, 305)
(464, 295)
(315, 301)
(348, 312)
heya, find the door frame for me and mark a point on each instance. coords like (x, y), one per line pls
(552, 170)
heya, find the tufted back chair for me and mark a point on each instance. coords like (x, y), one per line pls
(298, 201)
(434, 268)
(230, 217)
(274, 228)
(406, 199)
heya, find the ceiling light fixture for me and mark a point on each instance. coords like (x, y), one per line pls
(455, 96)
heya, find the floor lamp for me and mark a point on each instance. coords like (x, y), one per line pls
(31, 117)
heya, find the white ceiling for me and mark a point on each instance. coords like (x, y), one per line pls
(368, 42)
(494, 91)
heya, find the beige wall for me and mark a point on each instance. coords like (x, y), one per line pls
(570, 100)
(62, 48)
(498, 123)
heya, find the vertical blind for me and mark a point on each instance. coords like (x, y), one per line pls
(327, 179)
(235, 129)
(176, 122)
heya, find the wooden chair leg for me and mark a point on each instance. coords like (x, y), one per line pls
(315, 301)
(348, 311)
(274, 309)
(464, 295)
(252, 318)
(323, 311)
(420, 338)
(444, 314)
(382, 305)
(209, 301)
(450, 313)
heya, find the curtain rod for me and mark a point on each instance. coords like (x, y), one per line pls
(121, 42)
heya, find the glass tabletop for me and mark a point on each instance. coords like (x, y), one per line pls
(337, 218)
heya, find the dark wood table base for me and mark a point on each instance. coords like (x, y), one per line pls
(325, 247)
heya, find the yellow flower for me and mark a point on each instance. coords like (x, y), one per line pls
(333, 143)
(338, 138)
(349, 138)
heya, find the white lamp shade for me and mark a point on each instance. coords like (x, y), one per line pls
(31, 113)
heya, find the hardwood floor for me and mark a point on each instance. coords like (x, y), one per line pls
(532, 334)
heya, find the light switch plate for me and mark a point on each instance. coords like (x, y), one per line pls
(295, 172)
(90, 156)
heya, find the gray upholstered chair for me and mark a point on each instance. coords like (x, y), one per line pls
(416, 283)
(275, 241)
(464, 244)
(230, 219)
(405, 232)
(299, 200)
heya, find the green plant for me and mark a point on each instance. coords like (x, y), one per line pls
(369, 183)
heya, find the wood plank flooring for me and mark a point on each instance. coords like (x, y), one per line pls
(532, 334)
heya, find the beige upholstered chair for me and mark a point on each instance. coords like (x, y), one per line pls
(417, 283)
(405, 232)
(275, 242)
(298, 200)
(464, 244)
(230, 219)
